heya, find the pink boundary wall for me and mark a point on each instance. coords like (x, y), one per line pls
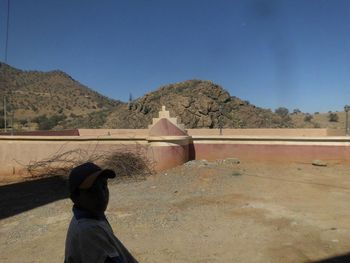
(167, 144)
(167, 151)
(16, 152)
(274, 153)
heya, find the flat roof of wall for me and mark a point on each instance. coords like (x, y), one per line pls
(267, 132)
(42, 133)
(113, 132)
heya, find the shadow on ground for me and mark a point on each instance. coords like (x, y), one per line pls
(20, 197)
(338, 259)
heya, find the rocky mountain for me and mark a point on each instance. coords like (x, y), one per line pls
(54, 100)
(198, 104)
(53, 97)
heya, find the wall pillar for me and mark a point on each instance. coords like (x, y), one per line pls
(168, 142)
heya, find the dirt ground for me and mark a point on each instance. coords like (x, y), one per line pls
(200, 212)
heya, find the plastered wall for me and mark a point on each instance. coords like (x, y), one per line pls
(167, 144)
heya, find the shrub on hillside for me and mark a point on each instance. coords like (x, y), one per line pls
(93, 120)
(285, 120)
(47, 123)
(281, 111)
(296, 111)
(317, 125)
(35, 109)
(308, 117)
(23, 121)
(333, 117)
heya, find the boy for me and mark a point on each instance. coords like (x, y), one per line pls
(90, 237)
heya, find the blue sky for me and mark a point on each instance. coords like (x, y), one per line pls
(292, 53)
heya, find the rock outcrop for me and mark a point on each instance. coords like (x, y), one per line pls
(197, 104)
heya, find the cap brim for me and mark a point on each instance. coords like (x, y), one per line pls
(108, 173)
(89, 181)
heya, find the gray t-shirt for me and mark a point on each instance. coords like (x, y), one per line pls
(93, 241)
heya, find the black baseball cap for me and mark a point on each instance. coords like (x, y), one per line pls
(84, 175)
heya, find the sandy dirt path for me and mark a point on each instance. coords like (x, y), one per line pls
(205, 212)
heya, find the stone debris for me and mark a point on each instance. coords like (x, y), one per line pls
(204, 163)
(198, 163)
(319, 163)
(228, 161)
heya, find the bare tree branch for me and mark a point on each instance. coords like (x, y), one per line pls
(126, 162)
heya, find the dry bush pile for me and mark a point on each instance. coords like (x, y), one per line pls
(58, 164)
(126, 164)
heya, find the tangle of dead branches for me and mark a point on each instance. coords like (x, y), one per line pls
(128, 165)
(126, 162)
